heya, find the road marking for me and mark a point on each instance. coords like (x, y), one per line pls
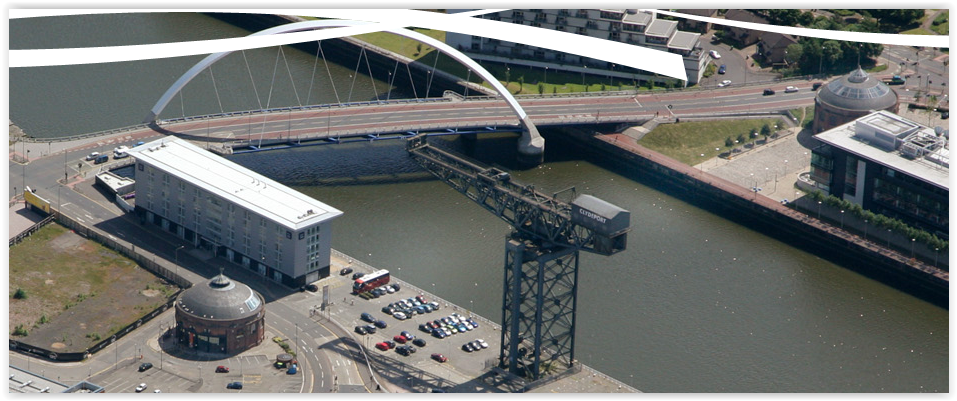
(66, 204)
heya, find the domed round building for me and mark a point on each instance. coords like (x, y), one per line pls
(850, 97)
(220, 315)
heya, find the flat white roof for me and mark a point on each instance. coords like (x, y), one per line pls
(842, 137)
(683, 40)
(234, 183)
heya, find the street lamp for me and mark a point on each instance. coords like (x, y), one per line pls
(820, 65)
(176, 256)
(818, 210)
(842, 219)
(865, 229)
(936, 253)
(913, 241)
(701, 165)
(718, 151)
(785, 167)
(546, 76)
(888, 238)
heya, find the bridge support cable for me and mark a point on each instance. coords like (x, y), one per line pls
(428, 86)
(411, 82)
(355, 74)
(291, 80)
(253, 81)
(329, 72)
(272, 82)
(216, 90)
(392, 77)
(312, 79)
(371, 77)
(182, 103)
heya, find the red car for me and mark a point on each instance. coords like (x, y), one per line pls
(382, 346)
(399, 339)
(222, 369)
(440, 357)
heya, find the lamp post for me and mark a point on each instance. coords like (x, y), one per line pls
(842, 219)
(888, 238)
(546, 76)
(818, 210)
(936, 253)
(176, 256)
(701, 165)
(865, 229)
(785, 167)
(820, 64)
(913, 241)
(717, 151)
(297, 338)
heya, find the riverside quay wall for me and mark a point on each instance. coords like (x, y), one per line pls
(764, 214)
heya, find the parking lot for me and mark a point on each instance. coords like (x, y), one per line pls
(417, 370)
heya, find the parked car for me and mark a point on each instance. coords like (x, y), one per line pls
(722, 69)
(714, 54)
(407, 335)
(790, 89)
(120, 152)
(390, 343)
(421, 299)
(425, 327)
(145, 366)
(101, 159)
(381, 324)
(235, 386)
(141, 387)
(399, 339)
(370, 329)
(382, 346)
(816, 86)
(357, 275)
(399, 315)
(440, 358)
(222, 369)
(138, 143)
(467, 347)
(367, 317)
(419, 342)
(292, 370)
(312, 287)
(724, 83)
(434, 305)
(403, 350)
(345, 271)
(92, 156)
(362, 330)
(396, 287)
(768, 92)
(438, 333)
(482, 343)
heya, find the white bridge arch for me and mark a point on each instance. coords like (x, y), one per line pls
(531, 142)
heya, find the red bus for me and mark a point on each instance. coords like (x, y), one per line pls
(370, 281)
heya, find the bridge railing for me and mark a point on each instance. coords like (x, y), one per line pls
(88, 135)
(275, 110)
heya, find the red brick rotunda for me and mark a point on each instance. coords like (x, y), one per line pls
(220, 316)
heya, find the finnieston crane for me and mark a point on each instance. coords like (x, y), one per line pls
(541, 256)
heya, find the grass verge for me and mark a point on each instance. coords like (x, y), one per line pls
(687, 141)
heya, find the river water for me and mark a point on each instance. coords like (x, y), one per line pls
(696, 304)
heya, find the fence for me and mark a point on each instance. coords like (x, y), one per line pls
(145, 259)
(30, 231)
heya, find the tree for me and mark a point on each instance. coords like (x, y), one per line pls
(20, 294)
(787, 16)
(740, 138)
(794, 53)
(728, 143)
(541, 88)
(806, 18)
(766, 132)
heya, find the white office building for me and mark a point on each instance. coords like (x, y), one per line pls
(639, 28)
(232, 211)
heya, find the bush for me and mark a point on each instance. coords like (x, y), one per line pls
(93, 336)
(20, 294)
(20, 331)
(43, 319)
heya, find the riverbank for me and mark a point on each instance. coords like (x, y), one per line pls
(769, 216)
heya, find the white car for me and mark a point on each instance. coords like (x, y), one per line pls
(715, 55)
(92, 156)
(399, 315)
(724, 83)
(790, 89)
(482, 343)
(141, 387)
(120, 152)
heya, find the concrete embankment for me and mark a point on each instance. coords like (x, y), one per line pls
(764, 214)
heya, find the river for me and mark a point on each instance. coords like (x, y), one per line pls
(696, 304)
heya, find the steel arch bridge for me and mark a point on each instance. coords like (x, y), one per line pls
(531, 145)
